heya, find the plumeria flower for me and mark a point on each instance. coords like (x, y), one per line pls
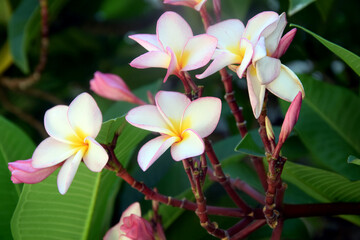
(113, 87)
(131, 226)
(196, 4)
(182, 124)
(72, 131)
(174, 47)
(256, 49)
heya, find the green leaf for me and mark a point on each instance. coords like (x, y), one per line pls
(354, 160)
(14, 145)
(323, 185)
(297, 5)
(85, 211)
(351, 59)
(5, 11)
(5, 56)
(329, 129)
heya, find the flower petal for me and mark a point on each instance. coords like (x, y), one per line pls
(260, 25)
(154, 59)
(96, 157)
(68, 171)
(256, 91)
(284, 43)
(153, 149)
(173, 31)
(191, 145)
(171, 106)
(149, 41)
(173, 65)
(260, 50)
(85, 116)
(224, 59)
(197, 52)
(202, 116)
(287, 85)
(57, 125)
(51, 152)
(149, 118)
(272, 41)
(267, 69)
(228, 34)
(247, 48)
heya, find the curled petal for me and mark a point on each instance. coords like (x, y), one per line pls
(149, 118)
(85, 116)
(197, 52)
(149, 41)
(224, 59)
(284, 43)
(155, 59)
(272, 41)
(228, 34)
(153, 149)
(287, 85)
(267, 69)
(261, 25)
(260, 50)
(256, 91)
(173, 31)
(191, 145)
(68, 171)
(57, 125)
(202, 116)
(171, 106)
(247, 52)
(96, 157)
(51, 152)
(173, 65)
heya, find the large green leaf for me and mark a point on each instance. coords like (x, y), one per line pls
(328, 126)
(14, 145)
(351, 59)
(85, 211)
(323, 185)
(297, 5)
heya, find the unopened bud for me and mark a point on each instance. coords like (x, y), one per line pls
(269, 129)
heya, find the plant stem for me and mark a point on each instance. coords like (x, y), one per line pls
(248, 230)
(205, 17)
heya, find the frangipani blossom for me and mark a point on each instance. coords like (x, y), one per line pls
(196, 4)
(131, 226)
(174, 47)
(256, 49)
(112, 87)
(72, 131)
(182, 124)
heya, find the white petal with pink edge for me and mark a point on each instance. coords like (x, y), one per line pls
(96, 157)
(272, 41)
(224, 59)
(171, 106)
(153, 149)
(149, 118)
(267, 69)
(202, 116)
(247, 48)
(57, 125)
(256, 91)
(191, 145)
(155, 59)
(51, 152)
(173, 31)
(261, 24)
(149, 41)
(228, 33)
(259, 51)
(68, 171)
(173, 65)
(197, 52)
(287, 85)
(85, 116)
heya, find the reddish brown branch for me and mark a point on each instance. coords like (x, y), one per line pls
(239, 226)
(320, 209)
(248, 230)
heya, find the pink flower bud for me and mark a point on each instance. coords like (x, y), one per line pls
(137, 228)
(291, 118)
(22, 171)
(113, 87)
(284, 43)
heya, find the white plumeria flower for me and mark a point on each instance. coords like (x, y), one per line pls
(196, 4)
(182, 124)
(174, 47)
(72, 131)
(257, 49)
